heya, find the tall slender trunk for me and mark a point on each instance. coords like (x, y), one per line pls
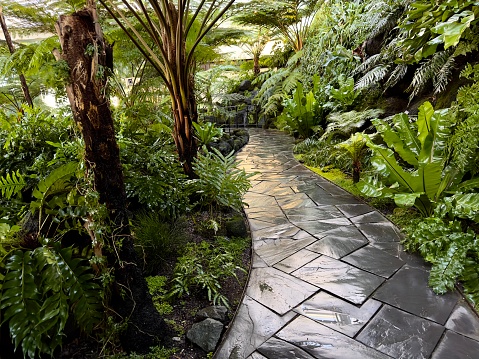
(183, 101)
(11, 48)
(89, 57)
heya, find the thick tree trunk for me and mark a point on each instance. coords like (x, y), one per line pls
(11, 48)
(87, 55)
(256, 68)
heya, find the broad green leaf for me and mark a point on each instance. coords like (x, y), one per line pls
(424, 121)
(386, 165)
(406, 199)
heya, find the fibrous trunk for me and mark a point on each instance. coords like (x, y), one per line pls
(89, 59)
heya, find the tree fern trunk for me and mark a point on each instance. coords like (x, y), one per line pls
(89, 57)
(8, 40)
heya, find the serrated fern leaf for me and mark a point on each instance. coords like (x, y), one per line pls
(427, 71)
(20, 302)
(448, 266)
(11, 184)
(396, 75)
(368, 64)
(442, 78)
(372, 77)
(83, 293)
(470, 279)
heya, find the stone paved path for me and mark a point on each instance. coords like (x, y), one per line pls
(329, 278)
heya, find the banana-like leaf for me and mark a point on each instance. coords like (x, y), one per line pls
(424, 122)
(430, 177)
(436, 141)
(406, 199)
(405, 142)
(386, 164)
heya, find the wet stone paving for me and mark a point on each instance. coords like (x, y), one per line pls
(329, 277)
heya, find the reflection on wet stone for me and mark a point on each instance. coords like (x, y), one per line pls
(464, 321)
(375, 261)
(455, 346)
(408, 290)
(347, 282)
(296, 260)
(279, 349)
(400, 334)
(277, 290)
(338, 314)
(322, 342)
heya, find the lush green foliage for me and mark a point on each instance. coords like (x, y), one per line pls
(422, 145)
(203, 266)
(207, 132)
(41, 289)
(220, 181)
(300, 113)
(157, 240)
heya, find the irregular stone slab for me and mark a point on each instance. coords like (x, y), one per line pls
(342, 279)
(333, 189)
(463, 320)
(216, 312)
(380, 232)
(323, 342)
(281, 191)
(253, 325)
(298, 200)
(408, 290)
(274, 251)
(257, 200)
(256, 355)
(335, 200)
(296, 260)
(337, 246)
(338, 314)
(256, 225)
(313, 213)
(206, 334)
(400, 334)
(316, 228)
(371, 217)
(396, 249)
(375, 261)
(277, 290)
(265, 187)
(277, 348)
(354, 210)
(274, 217)
(455, 346)
(276, 232)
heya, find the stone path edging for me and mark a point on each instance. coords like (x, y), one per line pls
(329, 277)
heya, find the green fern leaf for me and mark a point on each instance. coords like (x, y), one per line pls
(83, 293)
(11, 184)
(372, 77)
(470, 279)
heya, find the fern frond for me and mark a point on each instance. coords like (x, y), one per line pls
(426, 72)
(442, 78)
(372, 77)
(368, 64)
(11, 184)
(290, 82)
(470, 278)
(396, 75)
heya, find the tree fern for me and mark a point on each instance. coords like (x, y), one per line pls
(11, 184)
(368, 64)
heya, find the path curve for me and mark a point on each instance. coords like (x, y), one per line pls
(329, 278)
